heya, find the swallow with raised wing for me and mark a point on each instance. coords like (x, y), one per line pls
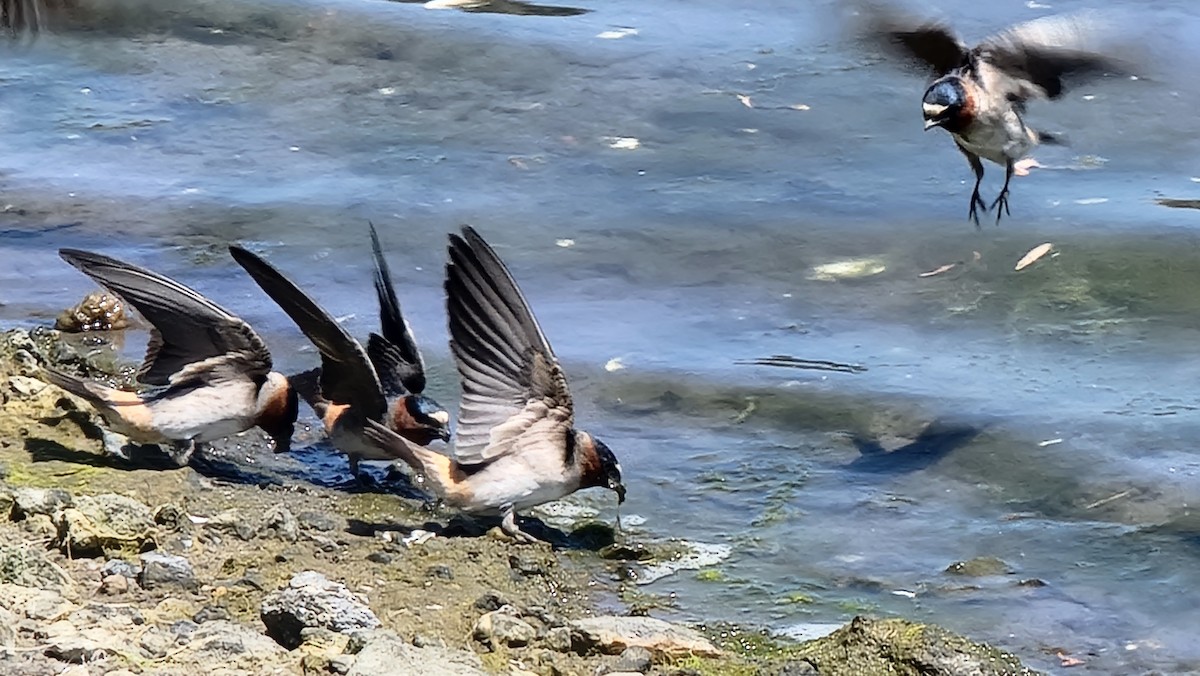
(382, 382)
(210, 373)
(516, 445)
(981, 92)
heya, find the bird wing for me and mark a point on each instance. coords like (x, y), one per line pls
(1040, 57)
(515, 393)
(921, 42)
(395, 354)
(347, 376)
(192, 339)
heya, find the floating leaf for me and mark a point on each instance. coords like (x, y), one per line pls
(1034, 254)
(939, 270)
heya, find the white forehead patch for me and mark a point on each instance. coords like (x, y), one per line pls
(441, 417)
(932, 109)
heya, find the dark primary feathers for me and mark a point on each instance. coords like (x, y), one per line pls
(511, 380)
(1039, 55)
(347, 376)
(395, 354)
(192, 335)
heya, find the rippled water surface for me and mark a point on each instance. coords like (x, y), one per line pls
(1046, 417)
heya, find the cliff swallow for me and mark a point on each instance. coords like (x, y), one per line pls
(516, 445)
(353, 385)
(980, 92)
(210, 371)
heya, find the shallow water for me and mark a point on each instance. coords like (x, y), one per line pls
(1061, 396)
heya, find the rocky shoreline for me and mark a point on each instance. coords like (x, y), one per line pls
(112, 565)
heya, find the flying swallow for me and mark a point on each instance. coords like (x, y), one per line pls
(516, 444)
(382, 382)
(209, 371)
(981, 92)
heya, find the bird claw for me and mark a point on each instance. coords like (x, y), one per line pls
(976, 201)
(1002, 202)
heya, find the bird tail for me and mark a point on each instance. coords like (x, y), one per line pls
(92, 392)
(434, 466)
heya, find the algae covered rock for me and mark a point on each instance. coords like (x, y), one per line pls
(104, 524)
(868, 647)
(98, 311)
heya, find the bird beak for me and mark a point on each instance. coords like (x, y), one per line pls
(618, 488)
(444, 434)
(931, 123)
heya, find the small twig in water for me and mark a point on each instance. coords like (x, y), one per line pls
(786, 361)
(1112, 498)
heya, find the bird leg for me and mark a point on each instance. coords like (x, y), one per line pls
(509, 525)
(360, 477)
(976, 200)
(1002, 198)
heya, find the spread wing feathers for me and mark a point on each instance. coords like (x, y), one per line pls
(512, 384)
(193, 337)
(347, 376)
(1042, 55)
(402, 365)
(922, 43)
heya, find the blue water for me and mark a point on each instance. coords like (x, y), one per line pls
(162, 132)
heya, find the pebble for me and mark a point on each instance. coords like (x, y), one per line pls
(161, 570)
(30, 501)
(558, 639)
(634, 659)
(211, 614)
(318, 521)
(280, 523)
(499, 626)
(382, 558)
(114, 585)
(312, 600)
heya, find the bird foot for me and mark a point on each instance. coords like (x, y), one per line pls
(976, 201)
(1002, 202)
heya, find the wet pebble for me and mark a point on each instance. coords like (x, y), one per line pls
(98, 311)
(982, 566)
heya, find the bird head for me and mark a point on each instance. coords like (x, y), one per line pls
(433, 422)
(945, 103)
(603, 470)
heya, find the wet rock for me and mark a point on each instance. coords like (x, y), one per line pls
(98, 311)
(500, 627)
(104, 523)
(634, 659)
(866, 646)
(281, 524)
(626, 552)
(526, 566)
(982, 566)
(383, 652)
(558, 639)
(613, 634)
(312, 600)
(211, 614)
(161, 570)
(29, 567)
(114, 585)
(30, 501)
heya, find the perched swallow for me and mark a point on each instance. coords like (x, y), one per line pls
(211, 372)
(980, 92)
(353, 385)
(516, 445)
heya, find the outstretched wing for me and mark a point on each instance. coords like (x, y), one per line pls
(347, 376)
(515, 393)
(395, 354)
(924, 43)
(1041, 57)
(192, 337)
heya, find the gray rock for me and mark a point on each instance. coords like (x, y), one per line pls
(382, 558)
(612, 634)
(25, 386)
(104, 523)
(46, 607)
(558, 639)
(86, 646)
(119, 567)
(156, 643)
(526, 566)
(440, 571)
(499, 626)
(634, 659)
(29, 567)
(342, 664)
(491, 600)
(234, 522)
(312, 600)
(211, 614)
(114, 585)
(386, 654)
(280, 523)
(30, 501)
(161, 570)
(235, 647)
(320, 521)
